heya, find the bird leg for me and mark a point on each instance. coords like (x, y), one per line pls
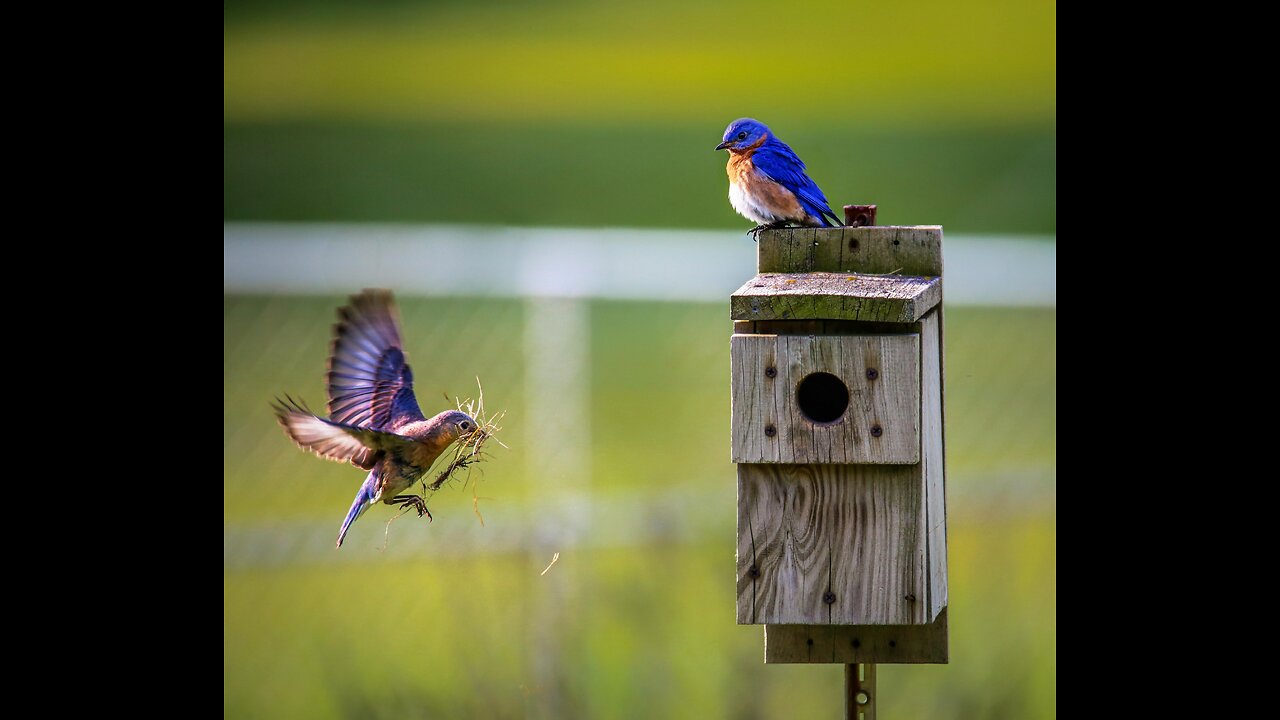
(753, 232)
(416, 502)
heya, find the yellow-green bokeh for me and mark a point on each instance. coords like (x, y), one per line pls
(573, 112)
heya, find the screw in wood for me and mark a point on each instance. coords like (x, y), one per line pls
(911, 597)
(853, 243)
(770, 430)
(856, 643)
(771, 372)
(876, 431)
(828, 597)
(808, 641)
(893, 643)
(872, 373)
(754, 572)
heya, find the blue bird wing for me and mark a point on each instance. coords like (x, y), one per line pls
(369, 383)
(776, 160)
(341, 442)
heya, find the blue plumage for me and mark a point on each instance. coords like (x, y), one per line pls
(364, 498)
(777, 160)
(767, 180)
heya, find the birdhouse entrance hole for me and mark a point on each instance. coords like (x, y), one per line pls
(823, 398)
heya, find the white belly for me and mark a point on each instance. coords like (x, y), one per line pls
(748, 209)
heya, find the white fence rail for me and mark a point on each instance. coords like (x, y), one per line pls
(687, 265)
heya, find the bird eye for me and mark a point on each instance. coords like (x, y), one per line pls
(742, 135)
(466, 425)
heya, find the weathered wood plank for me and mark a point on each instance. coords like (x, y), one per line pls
(755, 396)
(783, 246)
(881, 644)
(831, 544)
(909, 250)
(880, 425)
(931, 457)
(835, 296)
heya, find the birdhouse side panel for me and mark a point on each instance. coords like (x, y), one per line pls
(932, 457)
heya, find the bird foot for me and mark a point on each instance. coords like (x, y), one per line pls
(753, 232)
(415, 502)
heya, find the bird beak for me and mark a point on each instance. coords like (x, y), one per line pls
(724, 144)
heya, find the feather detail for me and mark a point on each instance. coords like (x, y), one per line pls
(369, 383)
(335, 441)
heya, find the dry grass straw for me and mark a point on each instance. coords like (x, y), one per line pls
(469, 450)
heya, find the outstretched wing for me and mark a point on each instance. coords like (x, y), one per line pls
(341, 442)
(781, 164)
(369, 382)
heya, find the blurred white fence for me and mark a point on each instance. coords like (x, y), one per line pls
(687, 265)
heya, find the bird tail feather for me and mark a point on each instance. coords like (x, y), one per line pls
(821, 213)
(364, 498)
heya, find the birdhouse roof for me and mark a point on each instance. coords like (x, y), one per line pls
(836, 296)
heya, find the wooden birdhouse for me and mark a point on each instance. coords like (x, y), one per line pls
(837, 433)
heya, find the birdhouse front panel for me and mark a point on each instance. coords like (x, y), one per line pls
(832, 544)
(826, 399)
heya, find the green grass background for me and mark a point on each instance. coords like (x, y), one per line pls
(582, 113)
(650, 630)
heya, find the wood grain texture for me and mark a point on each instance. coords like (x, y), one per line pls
(881, 644)
(831, 544)
(880, 425)
(908, 250)
(932, 460)
(835, 296)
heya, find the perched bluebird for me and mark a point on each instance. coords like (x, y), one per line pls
(374, 421)
(767, 182)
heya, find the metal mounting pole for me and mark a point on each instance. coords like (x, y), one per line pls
(860, 691)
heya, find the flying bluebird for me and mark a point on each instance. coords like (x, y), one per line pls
(374, 421)
(767, 182)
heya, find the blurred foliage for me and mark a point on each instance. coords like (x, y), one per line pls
(647, 628)
(586, 113)
(700, 61)
(967, 180)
